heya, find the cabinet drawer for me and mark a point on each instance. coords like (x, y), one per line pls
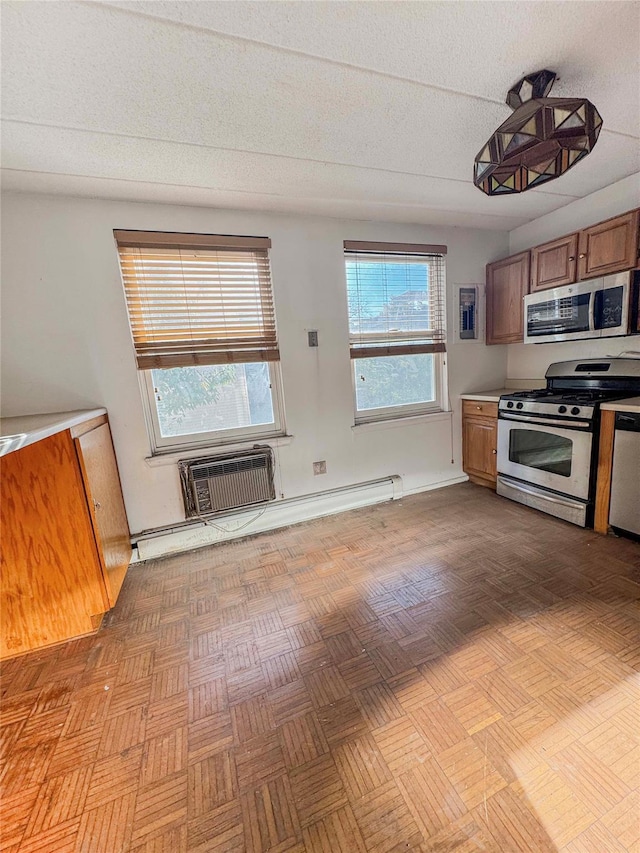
(479, 407)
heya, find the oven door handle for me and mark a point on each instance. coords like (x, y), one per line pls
(551, 421)
(520, 487)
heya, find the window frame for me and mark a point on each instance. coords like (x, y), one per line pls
(409, 410)
(214, 438)
(192, 348)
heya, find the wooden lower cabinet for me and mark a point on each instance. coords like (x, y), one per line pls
(104, 497)
(65, 539)
(480, 441)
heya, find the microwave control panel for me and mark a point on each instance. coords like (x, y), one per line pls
(609, 311)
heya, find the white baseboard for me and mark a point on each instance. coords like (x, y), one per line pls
(463, 478)
(277, 514)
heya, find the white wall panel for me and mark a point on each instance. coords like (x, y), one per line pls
(66, 341)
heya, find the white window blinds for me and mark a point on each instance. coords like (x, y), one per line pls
(396, 296)
(197, 298)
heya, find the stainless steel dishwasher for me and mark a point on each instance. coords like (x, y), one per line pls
(624, 511)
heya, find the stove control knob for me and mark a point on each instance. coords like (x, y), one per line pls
(575, 411)
(562, 409)
(519, 405)
(510, 404)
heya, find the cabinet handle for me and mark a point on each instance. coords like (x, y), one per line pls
(96, 505)
(494, 452)
(583, 255)
(572, 257)
(479, 408)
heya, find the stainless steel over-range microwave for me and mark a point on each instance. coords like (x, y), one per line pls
(598, 308)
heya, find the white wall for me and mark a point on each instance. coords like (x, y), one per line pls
(66, 342)
(527, 361)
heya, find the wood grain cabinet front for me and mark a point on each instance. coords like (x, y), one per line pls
(65, 539)
(106, 506)
(554, 264)
(608, 247)
(480, 441)
(507, 285)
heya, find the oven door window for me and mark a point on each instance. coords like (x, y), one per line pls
(542, 450)
(558, 316)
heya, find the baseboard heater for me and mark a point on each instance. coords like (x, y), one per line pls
(196, 533)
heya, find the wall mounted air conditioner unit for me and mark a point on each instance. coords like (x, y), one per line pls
(229, 481)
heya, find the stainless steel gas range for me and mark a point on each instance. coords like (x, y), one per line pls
(548, 438)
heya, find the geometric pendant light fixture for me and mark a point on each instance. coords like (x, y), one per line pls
(541, 140)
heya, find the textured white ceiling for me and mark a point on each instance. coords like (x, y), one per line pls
(367, 109)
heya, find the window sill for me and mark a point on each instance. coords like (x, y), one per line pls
(170, 457)
(394, 423)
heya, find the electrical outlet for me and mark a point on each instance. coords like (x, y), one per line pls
(320, 467)
(313, 338)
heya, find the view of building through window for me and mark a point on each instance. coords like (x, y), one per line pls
(212, 397)
(389, 299)
(386, 295)
(400, 380)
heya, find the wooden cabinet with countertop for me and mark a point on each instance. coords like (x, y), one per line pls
(104, 499)
(65, 539)
(480, 441)
(507, 285)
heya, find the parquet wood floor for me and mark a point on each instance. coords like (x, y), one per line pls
(452, 672)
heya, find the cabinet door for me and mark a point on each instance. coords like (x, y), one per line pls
(610, 246)
(507, 285)
(479, 447)
(51, 581)
(554, 264)
(104, 494)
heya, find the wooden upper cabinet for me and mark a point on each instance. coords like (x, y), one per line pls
(507, 285)
(106, 505)
(610, 246)
(554, 264)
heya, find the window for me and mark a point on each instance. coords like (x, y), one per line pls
(396, 298)
(203, 325)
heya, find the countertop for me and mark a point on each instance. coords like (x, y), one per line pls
(631, 404)
(22, 431)
(488, 396)
(494, 396)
